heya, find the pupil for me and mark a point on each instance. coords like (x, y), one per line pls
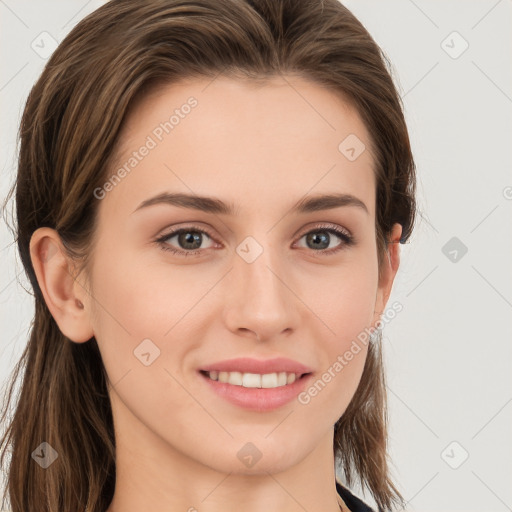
(187, 238)
(316, 239)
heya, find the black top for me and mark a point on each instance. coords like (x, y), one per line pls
(353, 502)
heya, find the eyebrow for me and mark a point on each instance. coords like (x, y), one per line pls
(216, 206)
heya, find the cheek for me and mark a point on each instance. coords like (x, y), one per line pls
(138, 300)
(136, 305)
(345, 303)
(343, 354)
(126, 309)
(138, 297)
(343, 299)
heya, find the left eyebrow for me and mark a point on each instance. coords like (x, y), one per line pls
(217, 206)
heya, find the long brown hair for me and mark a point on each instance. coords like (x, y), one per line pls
(68, 133)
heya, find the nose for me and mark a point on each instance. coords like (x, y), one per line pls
(260, 298)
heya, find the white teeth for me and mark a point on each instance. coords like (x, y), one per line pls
(281, 379)
(254, 380)
(269, 380)
(235, 378)
(251, 380)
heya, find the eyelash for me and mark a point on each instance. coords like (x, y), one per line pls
(348, 240)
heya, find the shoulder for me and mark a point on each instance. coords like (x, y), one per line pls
(353, 502)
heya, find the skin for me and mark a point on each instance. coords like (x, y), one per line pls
(262, 148)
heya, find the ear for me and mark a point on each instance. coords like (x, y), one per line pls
(65, 297)
(388, 272)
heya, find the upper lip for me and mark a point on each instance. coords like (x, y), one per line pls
(250, 365)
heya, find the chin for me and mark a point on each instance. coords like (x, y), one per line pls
(252, 459)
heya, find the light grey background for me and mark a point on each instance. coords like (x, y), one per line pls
(448, 353)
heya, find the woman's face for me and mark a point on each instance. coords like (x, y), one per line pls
(261, 282)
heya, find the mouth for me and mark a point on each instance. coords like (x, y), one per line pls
(256, 384)
(255, 380)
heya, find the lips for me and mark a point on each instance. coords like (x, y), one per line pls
(250, 365)
(256, 384)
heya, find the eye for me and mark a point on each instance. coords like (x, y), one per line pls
(320, 238)
(190, 239)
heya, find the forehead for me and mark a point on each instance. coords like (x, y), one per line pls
(232, 138)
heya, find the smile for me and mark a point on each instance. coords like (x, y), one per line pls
(254, 380)
(256, 392)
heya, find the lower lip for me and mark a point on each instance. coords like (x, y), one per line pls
(258, 399)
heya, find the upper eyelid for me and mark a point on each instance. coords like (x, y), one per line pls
(190, 227)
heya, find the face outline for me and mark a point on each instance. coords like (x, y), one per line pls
(197, 310)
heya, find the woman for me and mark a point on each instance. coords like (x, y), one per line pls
(210, 197)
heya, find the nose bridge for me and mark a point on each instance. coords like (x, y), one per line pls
(256, 266)
(261, 299)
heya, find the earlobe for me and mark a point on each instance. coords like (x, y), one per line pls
(64, 295)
